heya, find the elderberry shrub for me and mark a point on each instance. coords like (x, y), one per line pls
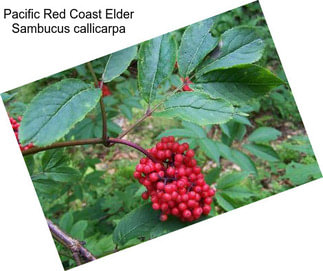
(15, 124)
(175, 184)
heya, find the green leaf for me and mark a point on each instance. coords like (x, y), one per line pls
(197, 41)
(63, 174)
(212, 175)
(232, 192)
(197, 107)
(155, 64)
(231, 179)
(226, 204)
(100, 247)
(196, 129)
(172, 224)
(126, 111)
(244, 161)
(177, 133)
(6, 97)
(306, 148)
(55, 110)
(132, 102)
(300, 144)
(240, 45)
(30, 163)
(78, 229)
(263, 151)
(237, 157)
(241, 119)
(137, 223)
(300, 174)
(264, 134)
(238, 84)
(113, 128)
(66, 222)
(118, 62)
(232, 130)
(52, 158)
(210, 149)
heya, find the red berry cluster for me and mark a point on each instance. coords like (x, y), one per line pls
(175, 183)
(15, 126)
(105, 90)
(186, 81)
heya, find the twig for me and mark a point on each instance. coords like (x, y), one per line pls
(89, 65)
(149, 112)
(102, 107)
(88, 142)
(72, 244)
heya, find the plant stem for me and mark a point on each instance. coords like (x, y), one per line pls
(63, 144)
(88, 142)
(149, 112)
(74, 245)
(102, 107)
(104, 123)
(89, 65)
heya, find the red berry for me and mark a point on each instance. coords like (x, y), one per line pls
(159, 146)
(167, 197)
(211, 192)
(190, 153)
(146, 169)
(160, 185)
(170, 171)
(139, 167)
(160, 155)
(187, 213)
(181, 172)
(185, 197)
(186, 81)
(180, 149)
(175, 211)
(158, 166)
(186, 146)
(191, 203)
(156, 206)
(208, 200)
(168, 154)
(197, 212)
(182, 206)
(137, 175)
(163, 217)
(168, 188)
(153, 177)
(206, 209)
(145, 195)
(178, 158)
(164, 207)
